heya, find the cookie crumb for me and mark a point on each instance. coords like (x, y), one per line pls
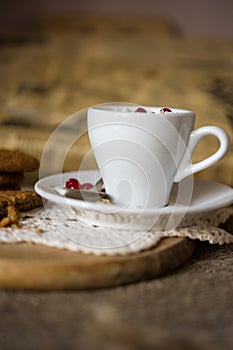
(106, 201)
(39, 231)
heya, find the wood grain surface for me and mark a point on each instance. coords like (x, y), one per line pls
(34, 267)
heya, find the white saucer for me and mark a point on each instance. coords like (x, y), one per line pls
(207, 196)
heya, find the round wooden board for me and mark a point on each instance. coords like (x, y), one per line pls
(35, 267)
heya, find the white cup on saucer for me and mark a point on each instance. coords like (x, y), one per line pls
(142, 151)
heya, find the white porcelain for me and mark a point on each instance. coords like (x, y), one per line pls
(141, 155)
(206, 196)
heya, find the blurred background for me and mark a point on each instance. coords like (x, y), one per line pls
(205, 18)
(60, 57)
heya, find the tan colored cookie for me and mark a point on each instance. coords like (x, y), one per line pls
(12, 202)
(11, 217)
(15, 161)
(23, 200)
(9, 179)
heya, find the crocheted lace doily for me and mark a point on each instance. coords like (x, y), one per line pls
(56, 227)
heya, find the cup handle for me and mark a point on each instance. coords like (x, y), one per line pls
(186, 168)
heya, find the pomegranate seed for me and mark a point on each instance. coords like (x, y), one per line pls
(86, 186)
(73, 183)
(140, 110)
(165, 109)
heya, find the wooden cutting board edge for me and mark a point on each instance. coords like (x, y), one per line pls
(34, 267)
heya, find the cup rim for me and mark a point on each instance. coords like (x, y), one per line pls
(124, 109)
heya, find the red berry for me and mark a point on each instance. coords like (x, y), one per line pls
(140, 110)
(73, 183)
(86, 186)
(165, 109)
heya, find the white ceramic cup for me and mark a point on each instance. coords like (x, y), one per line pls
(141, 155)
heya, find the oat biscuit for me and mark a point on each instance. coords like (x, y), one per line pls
(12, 202)
(10, 179)
(17, 162)
(22, 200)
(11, 217)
